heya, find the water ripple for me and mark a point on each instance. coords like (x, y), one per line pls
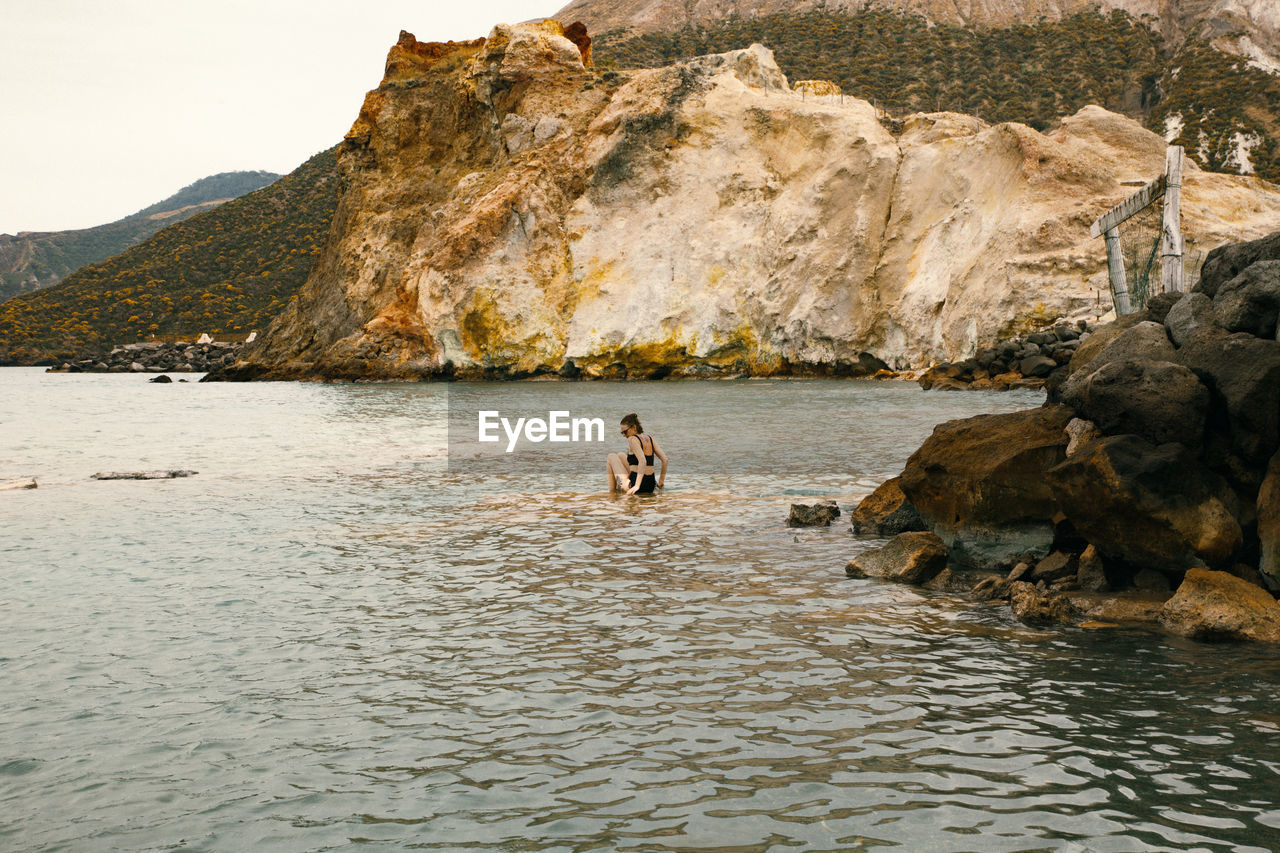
(327, 641)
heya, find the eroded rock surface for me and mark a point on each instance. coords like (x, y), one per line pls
(980, 484)
(1219, 606)
(912, 558)
(1154, 465)
(885, 512)
(506, 210)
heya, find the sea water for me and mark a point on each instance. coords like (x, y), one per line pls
(336, 637)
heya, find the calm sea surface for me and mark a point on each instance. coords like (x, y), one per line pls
(330, 639)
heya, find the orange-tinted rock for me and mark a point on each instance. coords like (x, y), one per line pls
(408, 57)
(980, 484)
(1217, 606)
(913, 558)
(885, 512)
(577, 33)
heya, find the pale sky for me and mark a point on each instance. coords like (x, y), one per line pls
(107, 106)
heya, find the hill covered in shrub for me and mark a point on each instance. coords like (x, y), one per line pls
(1212, 103)
(226, 271)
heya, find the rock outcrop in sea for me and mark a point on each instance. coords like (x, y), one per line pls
(508, 211)
(1153, 466)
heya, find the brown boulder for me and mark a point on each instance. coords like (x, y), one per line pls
(1034, 607)
(1133, 336)
(885, 512)
(1158, 400)
(1242, 374)
(1250, 302)
(1218, 606)
(1151, 507)
(913, 558)
(813, 515)
(980, 484)
(1226, 262)
(1054, 567)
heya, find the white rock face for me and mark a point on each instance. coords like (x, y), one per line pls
(704, 217)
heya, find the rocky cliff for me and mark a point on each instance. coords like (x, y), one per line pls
(1153, 465)
(508, 211)
(1248, 28)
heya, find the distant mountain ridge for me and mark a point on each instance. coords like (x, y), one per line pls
(226, 271)
(32, 260)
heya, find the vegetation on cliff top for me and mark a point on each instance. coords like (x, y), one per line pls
(1032, 74)
(34, 260)
(225, 271)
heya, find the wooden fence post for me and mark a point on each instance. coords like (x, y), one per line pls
(1171, 226)
(1115, 271)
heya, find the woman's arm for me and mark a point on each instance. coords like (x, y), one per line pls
(637, 450)
(657, 450)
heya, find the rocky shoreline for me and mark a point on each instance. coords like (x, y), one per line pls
(155, 357)
(1145, 490)
(1030, 361)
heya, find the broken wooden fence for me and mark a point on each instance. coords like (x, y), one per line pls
(1169, 187)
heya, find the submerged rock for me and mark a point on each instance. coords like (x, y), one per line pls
(6, 485)
(913, 558)
(143, 475)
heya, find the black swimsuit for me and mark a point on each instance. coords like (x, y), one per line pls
(647, 482)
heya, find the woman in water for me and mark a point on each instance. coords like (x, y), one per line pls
(634, 472)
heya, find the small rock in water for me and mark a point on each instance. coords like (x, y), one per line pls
(6, 485)
(143, 475)
(813, 515)
(1035, 607)
(161, 378)
(912, 558)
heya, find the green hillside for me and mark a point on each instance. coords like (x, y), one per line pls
(1032, 74)
(33, 260)
(228, 270)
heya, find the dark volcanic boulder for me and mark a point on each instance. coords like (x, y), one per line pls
(885, 512)
(980, 484)
(1269, 524)
(813, 515)
(1158, 306)
(1158, 400)
(1226, 262)
(1218, 606)
(908, 558)
(1250, 302)
(1116, 341)
(1242, 374)
(1148, 506)
(1190, 314)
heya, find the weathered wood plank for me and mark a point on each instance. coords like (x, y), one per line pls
(1128, 207)
(1115, 271)
(1171, 227)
